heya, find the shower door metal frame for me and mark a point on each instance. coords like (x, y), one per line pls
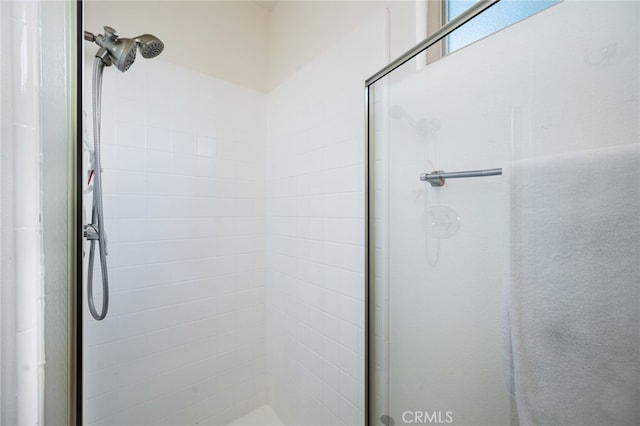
(76, 282)
(369, 306)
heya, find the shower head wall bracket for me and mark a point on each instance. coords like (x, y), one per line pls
(434, 178)
(103, 54)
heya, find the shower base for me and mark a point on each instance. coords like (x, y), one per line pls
(261, 416)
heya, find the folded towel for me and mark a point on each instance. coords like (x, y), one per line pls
(573, 277)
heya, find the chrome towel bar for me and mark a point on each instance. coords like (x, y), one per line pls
(438, 177)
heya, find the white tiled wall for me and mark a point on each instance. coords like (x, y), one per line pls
(185, 338)
(185, 157)
(315, 233)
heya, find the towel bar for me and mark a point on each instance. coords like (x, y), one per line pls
(437, 178)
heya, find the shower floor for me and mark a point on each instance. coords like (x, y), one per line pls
(261, 416)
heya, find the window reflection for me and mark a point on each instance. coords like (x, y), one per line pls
(499, 16)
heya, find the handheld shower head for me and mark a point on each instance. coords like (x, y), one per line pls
(150, 45)
(122, 51)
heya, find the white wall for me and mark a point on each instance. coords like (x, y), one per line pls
(36, 143)
(321, 53)
(225, 39)
(21, 232)
(301, 31)
(315, 232)
(315, 176)
(184, 146)
(243, 43)
(184, 339)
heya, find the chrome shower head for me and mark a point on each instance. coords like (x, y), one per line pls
(122, 51)
(150, 45)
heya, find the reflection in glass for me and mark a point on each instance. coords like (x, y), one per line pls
(503, 14)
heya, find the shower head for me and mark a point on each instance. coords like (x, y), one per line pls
(423, 126)
(150, 45)
(121, 52)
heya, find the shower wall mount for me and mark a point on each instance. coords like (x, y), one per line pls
(120, 52)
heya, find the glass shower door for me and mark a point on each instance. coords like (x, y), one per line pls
(463, 292)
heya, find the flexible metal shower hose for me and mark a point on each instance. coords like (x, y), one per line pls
(97, 219)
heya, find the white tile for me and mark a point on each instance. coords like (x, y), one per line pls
(344, 256)
(348, 413)
(349, 388)
(344, 179)
(131, 135)
(349, 231)
(348, 205)
(108, 156)
(352, 310)
(130, 110)
(331, 375)
(158, 161)
(128, 183)
(331, 326)
(131, 159)
(349, 336)
(158, 139)
(349, 362)
(131, 206)
(182, 164)
(331, 351)
(205, 147)
(158, 115)
(183, 143)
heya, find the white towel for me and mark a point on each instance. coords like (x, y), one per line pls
(573, 277)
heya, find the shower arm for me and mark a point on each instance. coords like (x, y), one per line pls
(110, 35)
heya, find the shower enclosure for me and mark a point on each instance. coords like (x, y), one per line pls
(234, 214)
(503, 230)
(234, 221)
